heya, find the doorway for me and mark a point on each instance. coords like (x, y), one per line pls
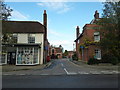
(11, 58)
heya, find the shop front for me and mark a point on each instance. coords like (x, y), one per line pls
(21, 54)
(27, 55)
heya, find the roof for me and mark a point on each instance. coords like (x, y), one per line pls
(58, 50)
(22, 27)
(71, 51)
(86, 26)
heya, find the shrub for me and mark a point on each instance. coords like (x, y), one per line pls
(108, 58)
(105, 58)
(114, 60)
(92, 61)
(74, 57)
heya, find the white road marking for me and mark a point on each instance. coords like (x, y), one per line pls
(72, 73)
(66, 71)
(69, 73)
(7, 74)
(115, 72)
(20, 74)
(62, 64)
(95, 72)
(44, 74)
(107, 72)
(83, 73)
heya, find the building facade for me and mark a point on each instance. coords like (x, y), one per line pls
(86, 42)
(70, 54)
(56, 52)
(30, 40)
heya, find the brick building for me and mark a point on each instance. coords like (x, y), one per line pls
(86, 42)
(56, 52)
(70, 54)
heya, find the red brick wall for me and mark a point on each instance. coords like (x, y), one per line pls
(88, 33)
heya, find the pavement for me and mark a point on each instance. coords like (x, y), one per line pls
(10, 68)
(101, 66)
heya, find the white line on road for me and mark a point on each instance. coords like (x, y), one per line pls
(72, 73)
(44, 74)
(62, 64)
(82, 72)
(20, 74)
(7, 74)
(66, 71)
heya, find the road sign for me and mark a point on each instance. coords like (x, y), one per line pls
(81, 46)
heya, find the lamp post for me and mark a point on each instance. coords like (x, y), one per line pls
(73, 46)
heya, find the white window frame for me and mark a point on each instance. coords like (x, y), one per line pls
(5, 58)
(30, 38)
(96, 36)
(33, 56)
(98, 54)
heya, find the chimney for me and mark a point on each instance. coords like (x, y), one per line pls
(77, 32)
(45, 18)
(45, 23)
(96, 15)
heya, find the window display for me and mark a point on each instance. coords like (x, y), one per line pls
(27, 55)
(35, 55)
(4, 58)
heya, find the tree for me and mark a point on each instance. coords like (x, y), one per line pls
(65, 53)
(110, 43)
(5, 11)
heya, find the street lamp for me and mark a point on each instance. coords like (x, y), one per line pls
(73, 46)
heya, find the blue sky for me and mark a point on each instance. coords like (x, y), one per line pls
(63, 17)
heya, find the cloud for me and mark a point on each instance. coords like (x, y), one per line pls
(52, 32)
(16, 15)
(66, 44)
(60, 7)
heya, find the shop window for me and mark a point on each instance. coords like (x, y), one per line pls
(97, 36)
(35, 55)
(97, 54)
(28, 55)
(4, 58)
(31, 38)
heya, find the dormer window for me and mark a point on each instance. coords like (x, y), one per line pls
(31, 38)
(96, 36)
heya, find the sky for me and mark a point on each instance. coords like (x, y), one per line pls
(63, 18)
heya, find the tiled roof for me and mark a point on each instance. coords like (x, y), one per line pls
(22, 27)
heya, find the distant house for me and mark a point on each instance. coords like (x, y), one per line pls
(56, 52)
(86, 47)
(31, 43)
(70, 54)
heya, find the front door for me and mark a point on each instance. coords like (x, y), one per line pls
(11, 58)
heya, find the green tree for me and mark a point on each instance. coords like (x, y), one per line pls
(5, 11)
(65, 53)
(110, 43)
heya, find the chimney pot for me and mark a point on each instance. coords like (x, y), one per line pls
(44, 11)
(77, 32)
(96, 15)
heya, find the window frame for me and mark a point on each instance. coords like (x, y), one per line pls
(31, 38)
(96, 36)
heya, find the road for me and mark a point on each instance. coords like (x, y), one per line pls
(61, 73)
